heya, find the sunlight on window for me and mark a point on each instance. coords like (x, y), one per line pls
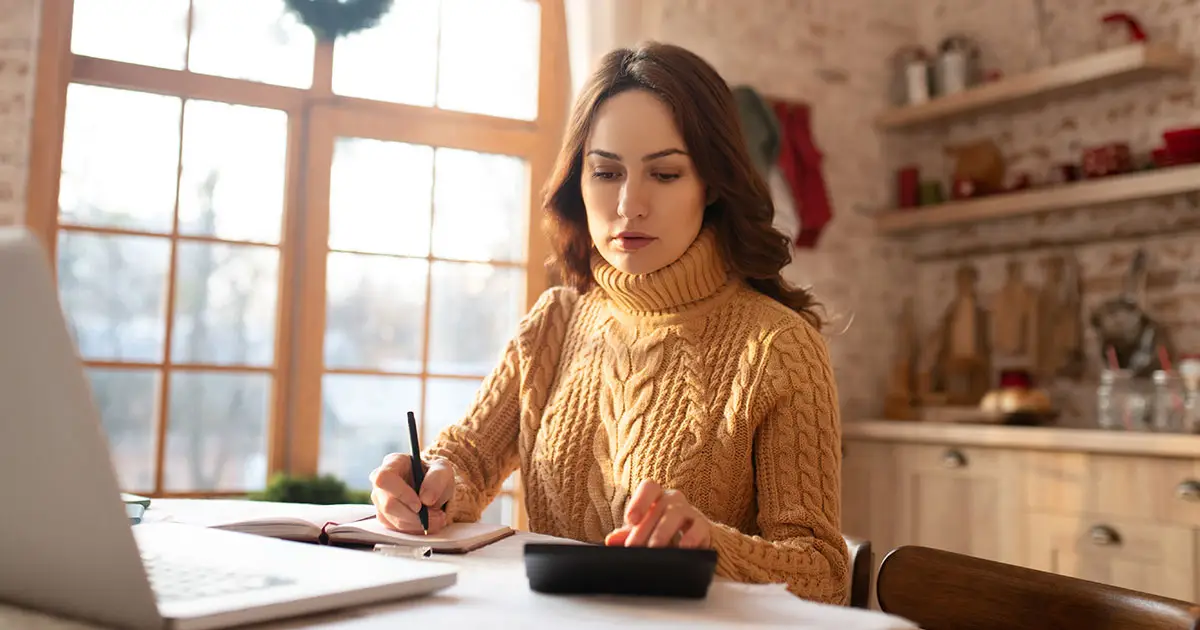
(483, 299)
(375, 312)
(120, 156)
(396, 61)
(362, 420)
(145, 32)
(447, 400)
(217, 432)
(234, 167)
(488, 62)
(481, 206)
(225, 302)
(257, 41)
(128, 404)
(379, 197)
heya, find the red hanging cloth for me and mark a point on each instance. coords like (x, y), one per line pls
(800, 163)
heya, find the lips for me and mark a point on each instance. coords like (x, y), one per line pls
(632, 241)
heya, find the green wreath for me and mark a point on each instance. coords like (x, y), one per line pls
(331, 19)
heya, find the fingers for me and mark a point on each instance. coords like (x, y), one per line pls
(438, 486)
(675, 519)
(696, 536)
(645, 527)
(391, 482)
(643, 499)
(617, 537)
(397, 516)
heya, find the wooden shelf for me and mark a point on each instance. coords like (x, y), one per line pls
(1113, 189)
(1133, 61)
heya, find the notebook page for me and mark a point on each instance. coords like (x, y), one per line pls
(453, 537)
(248, 515)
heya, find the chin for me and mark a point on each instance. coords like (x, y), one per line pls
(634, 263)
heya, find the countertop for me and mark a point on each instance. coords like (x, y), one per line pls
(1039, 438)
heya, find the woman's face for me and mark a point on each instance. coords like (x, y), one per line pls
(645, 202)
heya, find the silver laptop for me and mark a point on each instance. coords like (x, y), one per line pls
(67, 547)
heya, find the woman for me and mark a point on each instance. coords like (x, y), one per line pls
(676, 391)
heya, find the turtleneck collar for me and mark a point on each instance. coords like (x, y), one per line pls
(698, 274)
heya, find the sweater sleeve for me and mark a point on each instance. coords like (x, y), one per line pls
(797, 456)
(483, 446)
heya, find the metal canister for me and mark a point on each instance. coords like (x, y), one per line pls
(957, 66)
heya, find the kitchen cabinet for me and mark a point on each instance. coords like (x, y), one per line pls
(1111, 507)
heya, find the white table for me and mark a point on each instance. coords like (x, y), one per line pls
(492, 592)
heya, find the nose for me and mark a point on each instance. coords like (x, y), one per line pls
(633, 203)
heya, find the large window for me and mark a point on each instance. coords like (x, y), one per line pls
(269, 249)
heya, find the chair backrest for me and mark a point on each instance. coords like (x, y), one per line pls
(940, 590)
(862, 564)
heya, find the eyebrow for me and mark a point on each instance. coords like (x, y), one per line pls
(645, 158)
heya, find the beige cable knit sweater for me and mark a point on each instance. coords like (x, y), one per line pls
(684, 376)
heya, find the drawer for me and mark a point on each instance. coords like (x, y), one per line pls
(1160, 490)
(950, 457)
(1158, 559)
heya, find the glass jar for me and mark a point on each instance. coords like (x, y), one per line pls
(1123, 403)
(1169, 398)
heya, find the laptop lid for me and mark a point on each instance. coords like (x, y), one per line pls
(66, 542)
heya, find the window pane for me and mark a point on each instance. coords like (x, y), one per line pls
(500, 512)
(380, 197)
(113, 291)
(146, 32)
(488, 62)
(363, 418)
(128, 404)
(446, 402)
(481, 206)
(375, 312)
(234, 162)
(395, 61)
(217, 435)
(120, 159)
(259, 41)
(482, 299)
(225, 300)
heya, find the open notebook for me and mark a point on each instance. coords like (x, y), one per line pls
(349, 524)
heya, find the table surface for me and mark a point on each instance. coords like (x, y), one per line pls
(492, 589)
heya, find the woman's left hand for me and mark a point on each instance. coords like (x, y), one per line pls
(656, 517)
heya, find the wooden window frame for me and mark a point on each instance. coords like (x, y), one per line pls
(316, 112)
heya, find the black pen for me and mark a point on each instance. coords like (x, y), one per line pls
(418, 469)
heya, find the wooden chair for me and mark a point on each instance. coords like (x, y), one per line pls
(940, 590)
(862, 561)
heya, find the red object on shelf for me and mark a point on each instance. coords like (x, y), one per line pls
(1162, 157)
(1122, 18)
(1183, 144)
(908, 187)
(1107, 159)
(1017, 379)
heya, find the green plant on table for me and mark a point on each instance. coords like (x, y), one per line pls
(322, 490)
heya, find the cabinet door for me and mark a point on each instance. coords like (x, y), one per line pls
(966, 500)
(869, 497)
(1147, 557)
(869, 492)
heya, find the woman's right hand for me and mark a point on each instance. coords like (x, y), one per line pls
(396, 504)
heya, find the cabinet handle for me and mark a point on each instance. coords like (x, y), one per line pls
(1188, 490)
(1104, 536)
(952, 458)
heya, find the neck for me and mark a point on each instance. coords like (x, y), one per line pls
(685, 283)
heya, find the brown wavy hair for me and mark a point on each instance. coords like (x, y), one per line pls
(706, 115)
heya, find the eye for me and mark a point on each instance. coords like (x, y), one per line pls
(666, 177)
(605, 175)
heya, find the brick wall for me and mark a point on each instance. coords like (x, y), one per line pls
(18, 46)
(1032, 139)
(833, 55)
